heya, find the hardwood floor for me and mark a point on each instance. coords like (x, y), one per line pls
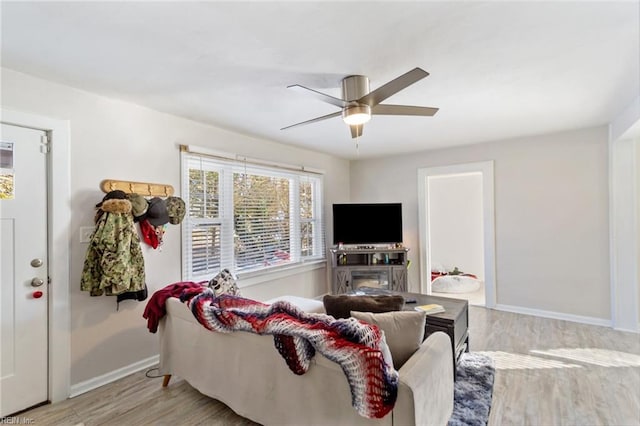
(551, 372)
(548, 372)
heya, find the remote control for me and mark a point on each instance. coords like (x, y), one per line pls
(409, 300)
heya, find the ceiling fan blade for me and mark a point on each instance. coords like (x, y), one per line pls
(403, 110)
(313, 120)
(319, 95)
(394, 86)
(356, 130)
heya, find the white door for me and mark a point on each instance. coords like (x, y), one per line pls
(23, 269)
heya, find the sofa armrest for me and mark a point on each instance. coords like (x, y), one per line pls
(304, 303)
(425, 391)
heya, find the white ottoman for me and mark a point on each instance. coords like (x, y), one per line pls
(307, 305)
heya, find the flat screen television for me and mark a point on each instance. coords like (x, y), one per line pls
(377, 223)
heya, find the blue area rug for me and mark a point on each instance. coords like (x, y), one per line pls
(473, 390)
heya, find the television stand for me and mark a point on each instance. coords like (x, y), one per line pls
(368, 266)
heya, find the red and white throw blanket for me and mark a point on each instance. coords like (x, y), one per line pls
(354, 345)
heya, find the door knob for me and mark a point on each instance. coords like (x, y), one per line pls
(36, 263)
(37, 282)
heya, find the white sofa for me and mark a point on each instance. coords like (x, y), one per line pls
(245, 372)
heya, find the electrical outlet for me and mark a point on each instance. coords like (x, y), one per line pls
(85, 233)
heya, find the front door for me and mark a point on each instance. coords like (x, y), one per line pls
(23, 269)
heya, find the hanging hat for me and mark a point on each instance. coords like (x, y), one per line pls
(113, 195)
(157, 214)
(176, 209)
(139, 206)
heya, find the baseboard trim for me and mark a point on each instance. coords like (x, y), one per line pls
(555, 315)
(628, 330)
(96, 382)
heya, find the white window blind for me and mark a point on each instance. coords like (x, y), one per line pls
(247, 217)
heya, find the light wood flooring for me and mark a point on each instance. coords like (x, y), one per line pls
(549, 372)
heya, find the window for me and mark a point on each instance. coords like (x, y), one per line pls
(248, 217)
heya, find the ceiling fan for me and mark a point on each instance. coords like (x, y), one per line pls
(358, 104)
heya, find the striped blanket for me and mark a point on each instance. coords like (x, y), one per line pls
(354, 345)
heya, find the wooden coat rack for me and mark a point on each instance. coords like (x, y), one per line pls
(143, 188)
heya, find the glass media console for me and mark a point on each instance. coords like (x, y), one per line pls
(384, 268)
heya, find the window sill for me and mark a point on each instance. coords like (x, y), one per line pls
(249, 279)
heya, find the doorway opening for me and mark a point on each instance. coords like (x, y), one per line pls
(457, 242)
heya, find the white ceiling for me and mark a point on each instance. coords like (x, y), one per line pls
(498, 69)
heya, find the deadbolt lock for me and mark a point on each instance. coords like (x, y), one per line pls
(37, 282)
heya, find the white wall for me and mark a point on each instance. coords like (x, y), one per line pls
(624, 141)
(551, 203)
(637, 168)
(624, 251)
(455, 222)
(119, 140)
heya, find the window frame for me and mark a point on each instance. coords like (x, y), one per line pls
(225, 220)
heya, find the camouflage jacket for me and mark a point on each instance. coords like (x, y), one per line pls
(114, 262)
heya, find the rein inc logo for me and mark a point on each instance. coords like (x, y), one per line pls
(17, 421)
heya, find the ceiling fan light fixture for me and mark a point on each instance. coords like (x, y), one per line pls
(358, 103)
(356, 114)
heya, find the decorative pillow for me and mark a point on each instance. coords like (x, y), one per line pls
(404, 331)
(341, 305)
(224, 283)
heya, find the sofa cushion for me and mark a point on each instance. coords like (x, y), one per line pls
(341, 305)
(404, 331)
(307, 305)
